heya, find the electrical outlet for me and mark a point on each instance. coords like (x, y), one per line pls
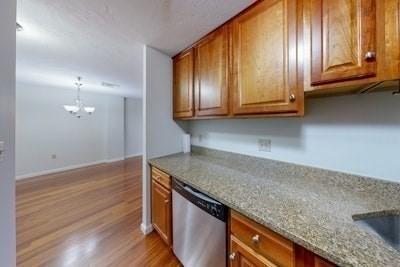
(54, 156)
(200, 138)
(1, 151)
(264, 145)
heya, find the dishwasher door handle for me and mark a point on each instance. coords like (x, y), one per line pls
(199, 195)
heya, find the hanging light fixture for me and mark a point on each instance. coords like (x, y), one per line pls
(76, 109)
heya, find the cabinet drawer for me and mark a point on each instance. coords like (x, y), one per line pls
(161, 177)
(242, 255)
(272, 246)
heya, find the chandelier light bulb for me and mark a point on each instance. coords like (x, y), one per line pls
(89, 110)
(71, 109)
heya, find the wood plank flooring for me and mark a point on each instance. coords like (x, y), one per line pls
(86, 217)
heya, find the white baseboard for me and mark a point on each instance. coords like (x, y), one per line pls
(146, 229)
(133, 155)
(113, 160)
(63, 169)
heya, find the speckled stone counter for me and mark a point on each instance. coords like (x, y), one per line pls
(312, 207)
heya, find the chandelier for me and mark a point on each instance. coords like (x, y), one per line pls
(77, 109)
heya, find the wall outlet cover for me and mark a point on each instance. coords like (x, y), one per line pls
(264, 145)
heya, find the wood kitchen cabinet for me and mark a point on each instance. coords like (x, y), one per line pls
(183, 85)
(390, 37)
(350, 45)
(318, 262)
(343, 34)
(253, 245)
(161, 206)
(212, 74)
(266, 59)
(305, 258)
(266, 70)
(242, 256)
(254, 241)
(250, 66)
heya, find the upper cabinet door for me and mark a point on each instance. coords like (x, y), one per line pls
(183, 85)
(343, 40)
(265, 59)
(211, 74)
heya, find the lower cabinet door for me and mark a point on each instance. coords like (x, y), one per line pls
(318, 262)
(243, 256)
(161, 211)
(305, 258)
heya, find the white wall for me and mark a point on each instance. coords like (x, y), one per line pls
(115, 144)
(44, 129)
(162, 136)
(133, 127)
(354, 134)
(7, 132)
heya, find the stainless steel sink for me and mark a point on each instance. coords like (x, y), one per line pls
(386, 226)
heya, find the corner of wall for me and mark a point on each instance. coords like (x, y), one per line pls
(7, 132)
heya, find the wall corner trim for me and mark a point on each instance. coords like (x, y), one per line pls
(146, 229)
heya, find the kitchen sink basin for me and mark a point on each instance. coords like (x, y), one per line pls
(386, 226)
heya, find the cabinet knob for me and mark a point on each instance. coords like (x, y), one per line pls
(370, 55)
(255, 239)
(232, 256)
(292, 97)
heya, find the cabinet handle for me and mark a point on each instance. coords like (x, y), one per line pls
(255, 239)
(292, 98)
(370, 55)
(232, 256)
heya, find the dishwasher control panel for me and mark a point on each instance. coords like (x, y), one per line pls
(201, 200)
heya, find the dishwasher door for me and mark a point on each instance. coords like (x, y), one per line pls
(199, 238)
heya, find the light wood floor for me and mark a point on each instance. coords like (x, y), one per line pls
(86, 217)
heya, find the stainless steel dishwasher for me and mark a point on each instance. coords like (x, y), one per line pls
(199, 227)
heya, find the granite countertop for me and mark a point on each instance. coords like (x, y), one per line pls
(312, 207)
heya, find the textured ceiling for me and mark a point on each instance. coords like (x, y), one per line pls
(101, 40)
